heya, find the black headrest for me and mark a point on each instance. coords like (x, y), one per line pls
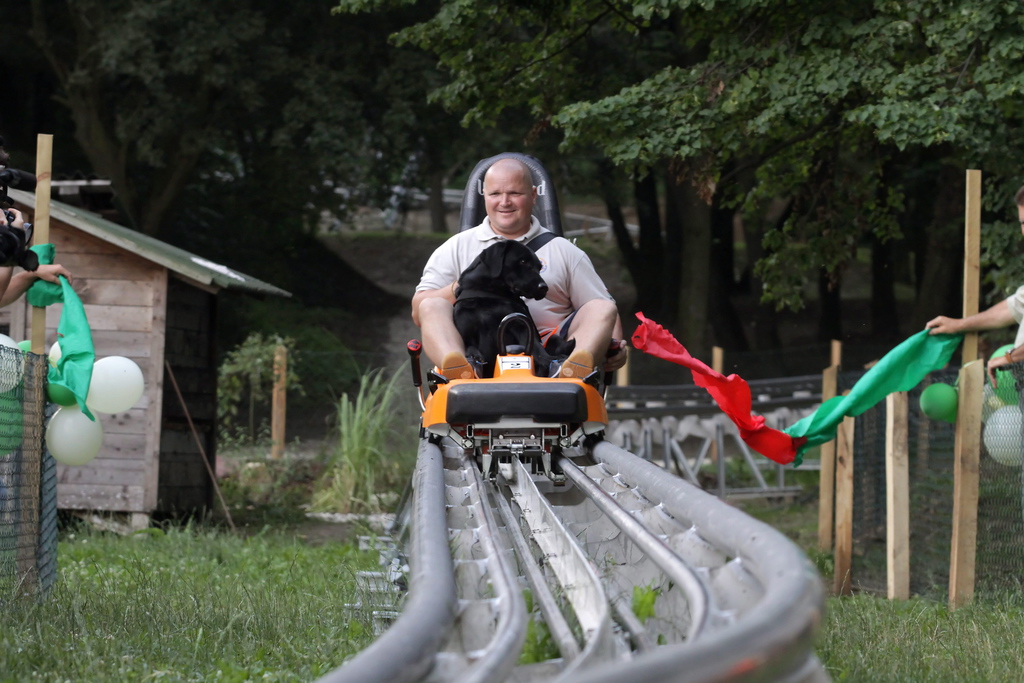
(546, 208)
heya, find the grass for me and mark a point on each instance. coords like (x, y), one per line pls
(188, 604)
(870, 638)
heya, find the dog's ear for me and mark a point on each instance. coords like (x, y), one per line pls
(493, 258)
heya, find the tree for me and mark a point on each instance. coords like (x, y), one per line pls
(754, 101)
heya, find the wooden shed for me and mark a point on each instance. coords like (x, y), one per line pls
(156, 304)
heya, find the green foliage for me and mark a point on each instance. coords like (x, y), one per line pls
(832, 107)
(644, 598)
(247, 374)
(188, 604)
(372, 453)
(323, 360)
(538, 646)
(260, 491)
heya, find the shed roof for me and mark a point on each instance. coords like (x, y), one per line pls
(177, 260)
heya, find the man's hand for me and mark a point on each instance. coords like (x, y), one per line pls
(617, 355)
(19, 220)
(994, 364)
(51, 272)
(944, 325)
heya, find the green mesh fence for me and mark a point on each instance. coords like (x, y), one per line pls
(1000, 539)
(28, 479)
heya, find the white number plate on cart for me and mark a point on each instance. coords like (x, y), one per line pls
(516, 363)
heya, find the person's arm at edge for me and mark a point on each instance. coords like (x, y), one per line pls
(14, 286)
(992, 318)
(1014, 355)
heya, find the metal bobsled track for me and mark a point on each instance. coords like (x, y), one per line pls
(624, 573)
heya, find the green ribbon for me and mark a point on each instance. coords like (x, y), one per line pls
(74, 368)
(901, 369)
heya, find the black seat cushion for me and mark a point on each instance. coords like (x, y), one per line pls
(544, 402)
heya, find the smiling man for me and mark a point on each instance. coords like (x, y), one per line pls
(578, 305)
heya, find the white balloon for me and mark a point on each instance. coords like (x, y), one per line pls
(55, 353)
(990, 402)
(72, 438)
(12, 366)
(1003, 436)
(116, 385)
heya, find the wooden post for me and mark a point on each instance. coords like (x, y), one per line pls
(844, 507)
(622, 374)
(827, 468)
(41, 229)
(32, 456)
(717, 362)
(967, 445)
(972, 260)
(836, 353)
(897, 496)
(280, 401)
(966, 452)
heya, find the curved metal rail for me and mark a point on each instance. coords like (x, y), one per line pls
(496, 661)
(653, 547)
(407, 650)
(775, 640)
(736, 600)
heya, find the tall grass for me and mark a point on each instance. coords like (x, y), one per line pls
(187, 605)
(374, 450)
(868, 638)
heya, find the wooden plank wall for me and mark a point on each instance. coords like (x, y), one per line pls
(124, 296)
(190, 350)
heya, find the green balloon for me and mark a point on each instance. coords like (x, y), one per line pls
(939, 401)
(1007, 385)
(60, 395)
(26, 345)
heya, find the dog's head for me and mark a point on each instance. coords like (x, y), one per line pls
(513, 265)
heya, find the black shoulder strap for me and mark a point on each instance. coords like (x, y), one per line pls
(540, 240)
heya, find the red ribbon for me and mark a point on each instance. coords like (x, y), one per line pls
(732, 393)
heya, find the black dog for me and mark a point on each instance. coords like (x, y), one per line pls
(491, 288)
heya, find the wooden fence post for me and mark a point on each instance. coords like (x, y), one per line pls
(967, 445)
(844, 507)
(32, 456)
(280, 402)
(897, 497)
(967, 448)
(827, 468)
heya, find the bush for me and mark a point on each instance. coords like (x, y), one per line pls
(248, 372)
(370, 456)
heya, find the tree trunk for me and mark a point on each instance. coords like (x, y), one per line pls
(765, 317)
(651, 250)
(939, 291)
(885, 320)
(830, 314)
(435, 203)
(694, 265)
(725, 321)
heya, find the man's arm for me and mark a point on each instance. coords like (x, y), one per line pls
(993, 318)
(14, 286)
